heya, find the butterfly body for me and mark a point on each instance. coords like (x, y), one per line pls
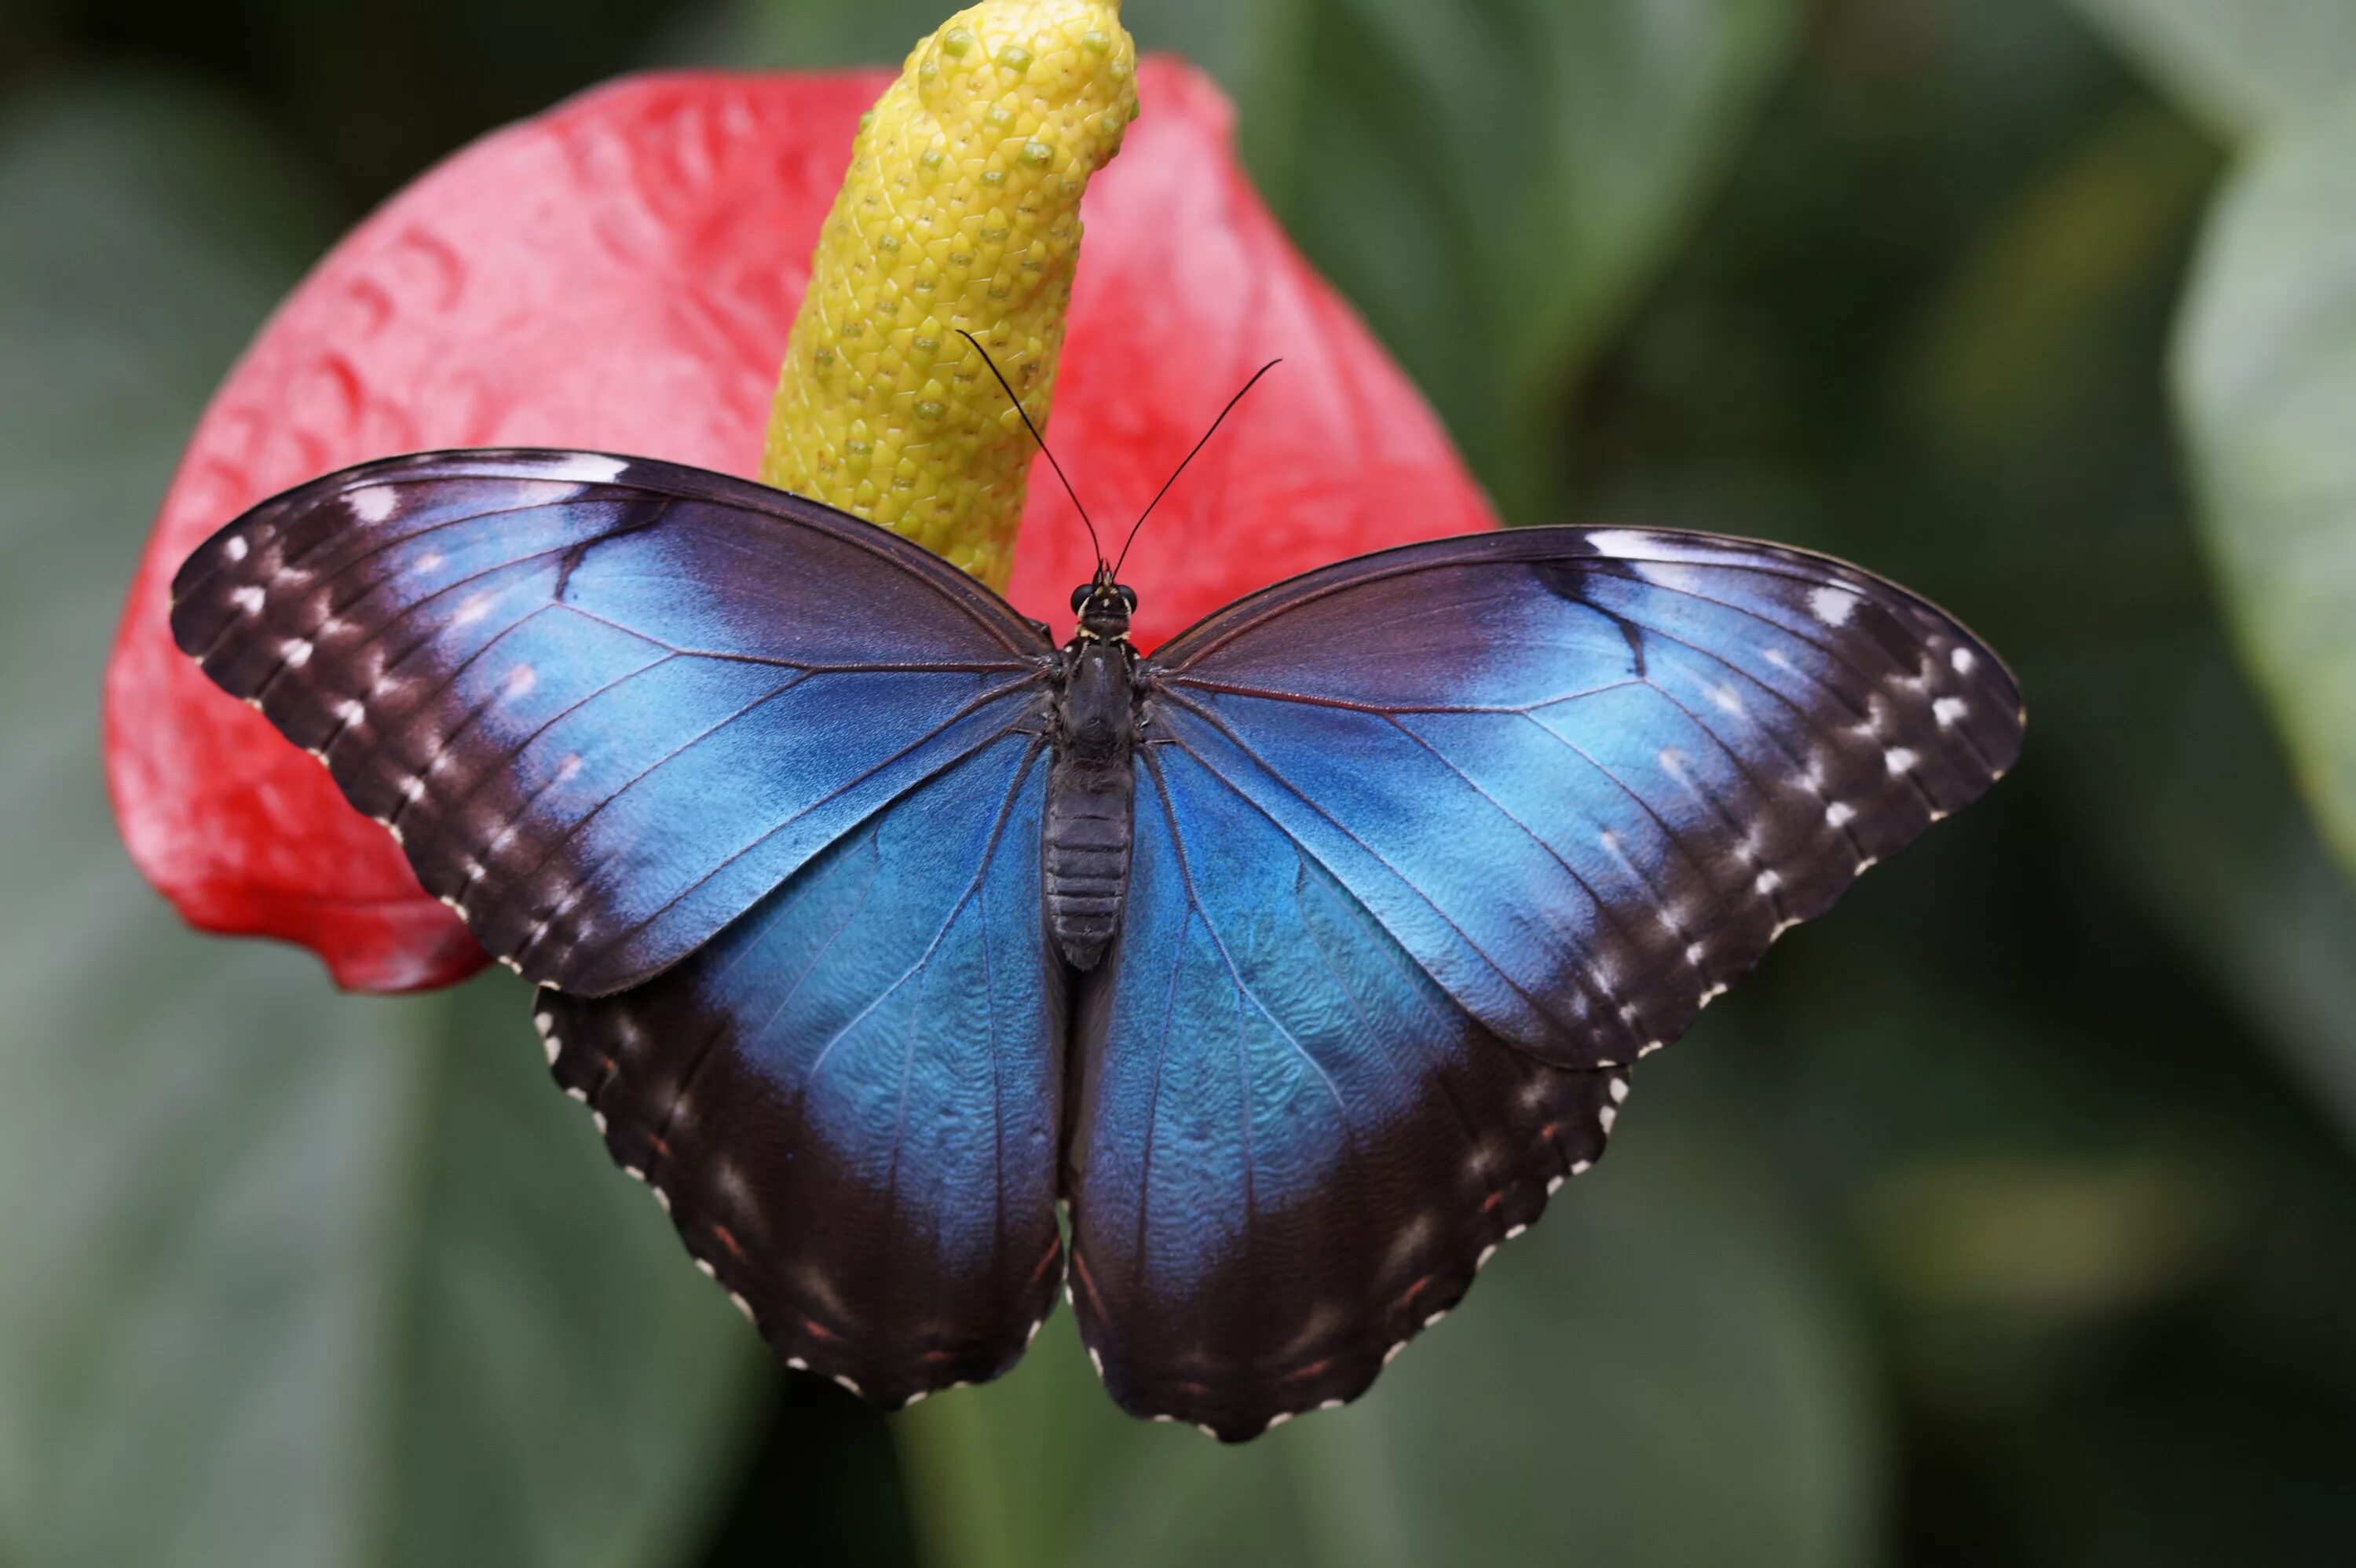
(1091, 789)
(1300, 960)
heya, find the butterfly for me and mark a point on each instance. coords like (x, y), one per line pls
(1297, 963)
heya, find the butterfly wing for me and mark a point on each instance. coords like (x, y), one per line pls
(849, 1100)
(757, 786)
(607, 704)
(1292, 1149)
(1431, 846)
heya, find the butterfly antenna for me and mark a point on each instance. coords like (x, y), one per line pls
(1188, 458)
(1093, 542)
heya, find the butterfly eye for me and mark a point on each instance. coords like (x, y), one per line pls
(1128, 594)
(1080, 596)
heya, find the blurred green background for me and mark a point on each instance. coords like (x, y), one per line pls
(2009, 1215)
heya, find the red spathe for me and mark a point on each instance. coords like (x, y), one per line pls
(620, 275)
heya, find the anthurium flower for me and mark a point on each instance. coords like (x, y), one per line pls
(623, 273)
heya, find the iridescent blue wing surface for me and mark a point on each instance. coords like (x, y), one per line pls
(849, 1100)
(1431, 847)
(755, 786)
(606, 704)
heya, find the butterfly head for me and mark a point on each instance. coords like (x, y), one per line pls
(1104, 607)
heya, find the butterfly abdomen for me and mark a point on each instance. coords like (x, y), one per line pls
(1089, 796)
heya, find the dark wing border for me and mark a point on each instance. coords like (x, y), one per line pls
(1024, 637)
(1531, 544)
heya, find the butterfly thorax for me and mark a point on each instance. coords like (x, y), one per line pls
(1090, 788)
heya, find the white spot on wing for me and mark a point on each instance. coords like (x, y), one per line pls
(1901, 760)
(1671, 574)
(581, 468)
(247, 599)
(1965, 661)
(1839, 814)
(473, 609)
(373, 504)
(521, 680)
(1619, 542)
(1948, 711)
(1832, 605)
(297, 651)
(234, 547)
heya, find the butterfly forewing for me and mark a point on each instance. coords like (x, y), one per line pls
(1585, 777)
(606, 703)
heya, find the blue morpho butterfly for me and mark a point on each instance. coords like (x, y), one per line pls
(1300, 960)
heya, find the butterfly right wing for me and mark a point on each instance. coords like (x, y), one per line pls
(1431, 846)
(606, 704)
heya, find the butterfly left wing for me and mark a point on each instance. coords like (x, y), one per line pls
(757, 784)
(849, 1100)
(1431, 846)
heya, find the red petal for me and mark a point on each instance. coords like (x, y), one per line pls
(621, 274)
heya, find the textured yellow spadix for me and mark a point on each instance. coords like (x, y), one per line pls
(962, 209)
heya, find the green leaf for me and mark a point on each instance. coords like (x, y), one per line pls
(1655, 1375)
(2029, 380)
(286, 1277)
(1490, 182)
(2265, 383)
(2212, 835)
(2241, 65)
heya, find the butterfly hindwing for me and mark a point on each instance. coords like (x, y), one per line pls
(1293, 1149)
(606, 703)
(1585, 777)
(849, 1101)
